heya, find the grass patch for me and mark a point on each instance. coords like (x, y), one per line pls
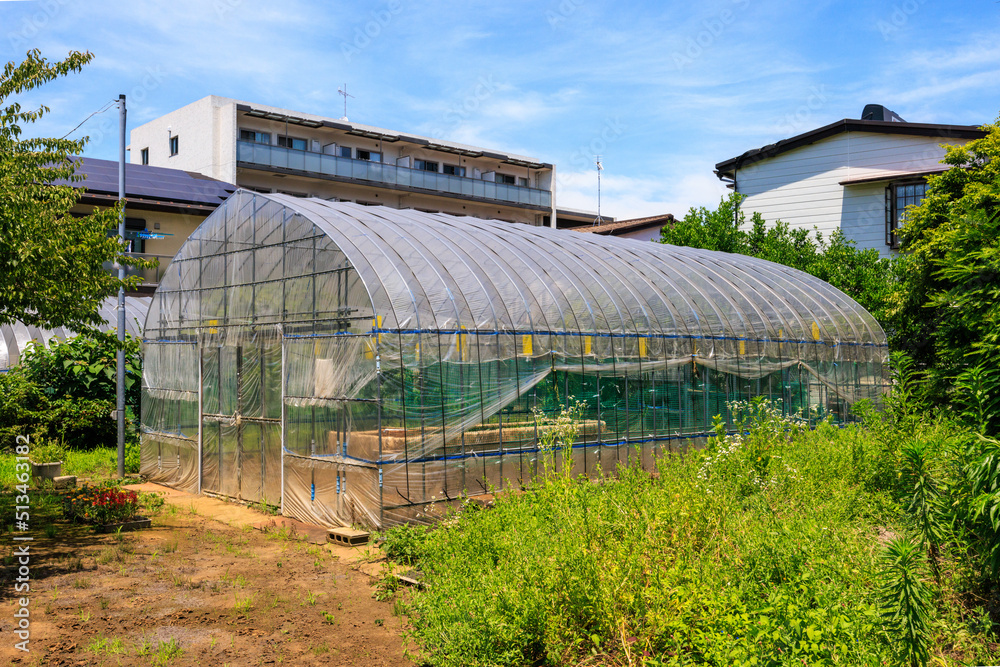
(166, 652)
(244, 604)
(97, 463)
(760, 549)
(102, 645)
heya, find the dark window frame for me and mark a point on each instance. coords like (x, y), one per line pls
(425, 165)
(144, 156)
(896, 204)
(258, 137)
(286, 141)
(366, 155)
(174, 146)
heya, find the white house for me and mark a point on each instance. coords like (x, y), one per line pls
(268, 149)
(854, 175)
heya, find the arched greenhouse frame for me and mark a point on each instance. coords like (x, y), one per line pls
(359, 365)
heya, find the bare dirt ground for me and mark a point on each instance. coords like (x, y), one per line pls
(203, 586)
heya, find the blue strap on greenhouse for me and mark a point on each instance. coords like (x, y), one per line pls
(509, 452)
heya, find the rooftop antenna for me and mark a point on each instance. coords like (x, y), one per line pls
(600, 167)
(343, 91)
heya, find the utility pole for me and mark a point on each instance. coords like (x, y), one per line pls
(120, 411)
(600, 167)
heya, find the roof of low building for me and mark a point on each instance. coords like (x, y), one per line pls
(624, 226)
(727, 168)
(149, 188)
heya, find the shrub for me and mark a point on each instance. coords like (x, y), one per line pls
(132, 454)
(403, 544)
(84, 367)
(22, 403)
(81, 423)
(67, 392)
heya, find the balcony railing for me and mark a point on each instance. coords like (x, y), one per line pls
(149, 276)
(388, 174)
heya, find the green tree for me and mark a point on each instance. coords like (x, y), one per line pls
(51, 271)
(949, 313)
(861, 274)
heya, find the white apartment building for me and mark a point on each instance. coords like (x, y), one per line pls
(268, 149)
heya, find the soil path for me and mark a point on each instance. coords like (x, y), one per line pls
(211, 583)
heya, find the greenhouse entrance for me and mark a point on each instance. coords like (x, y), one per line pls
(241, 419)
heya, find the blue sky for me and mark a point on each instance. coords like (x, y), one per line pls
(662, 91)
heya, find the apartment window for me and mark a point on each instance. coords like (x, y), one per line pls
(522, 181)
(292, 142)
(344, 151)
(425, 165)
(454, 170)
(144, 156)
(370, 156)
(897, 197)
(256, 137)
(506, 179)
(173, 146)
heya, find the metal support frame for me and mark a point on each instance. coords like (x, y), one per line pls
(120, 365)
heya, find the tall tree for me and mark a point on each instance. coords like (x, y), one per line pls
(950, 313)
(51, 262)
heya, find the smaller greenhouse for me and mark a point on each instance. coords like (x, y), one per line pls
(355, 364)
(16, 336)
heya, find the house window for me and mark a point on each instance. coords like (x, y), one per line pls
(144, 156)
(454, 170)
(255, 137)
(173, 146)
(507, 179)
(522, 181)
(344, 151)
(292, 142)
(897, 197)
(425, 165)
(370, 156)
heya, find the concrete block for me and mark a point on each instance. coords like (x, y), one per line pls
(64, 482)
(349, 537)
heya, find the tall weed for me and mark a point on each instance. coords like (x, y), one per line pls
(751, 550)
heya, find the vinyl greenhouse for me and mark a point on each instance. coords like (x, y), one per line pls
(360, 365)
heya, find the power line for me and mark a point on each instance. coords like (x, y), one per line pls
(101, 110)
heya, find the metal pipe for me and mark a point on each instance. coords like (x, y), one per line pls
(120, 411)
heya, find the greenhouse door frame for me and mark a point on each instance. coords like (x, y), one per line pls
(234, 426)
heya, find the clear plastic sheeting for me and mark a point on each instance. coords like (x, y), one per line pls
(16, 336)
(367, 366)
